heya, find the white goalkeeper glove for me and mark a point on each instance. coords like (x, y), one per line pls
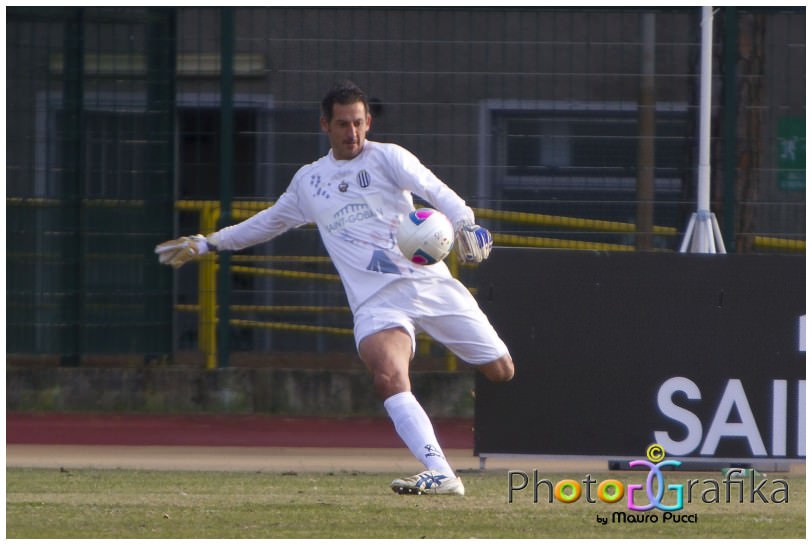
(181, 250)
(473, 243)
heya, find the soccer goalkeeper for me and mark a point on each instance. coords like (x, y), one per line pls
(357, 195)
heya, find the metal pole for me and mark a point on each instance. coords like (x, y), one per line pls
(226, 170)
(702, 235)
(73, 168)
(703, 173)
(729, 140)
(647, 129)
(157, 339)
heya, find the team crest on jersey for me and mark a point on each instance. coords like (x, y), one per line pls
(343, 187)
(363, 179)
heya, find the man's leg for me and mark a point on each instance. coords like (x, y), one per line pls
(499, 370)
(465, 330)
(387, 354)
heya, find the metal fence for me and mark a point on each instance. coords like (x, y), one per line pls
(127, 126)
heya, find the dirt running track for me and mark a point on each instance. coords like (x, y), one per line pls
(250, 443)
(255, 443)
(240, 443)
(220, 431)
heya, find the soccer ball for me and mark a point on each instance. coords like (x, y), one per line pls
(425, 236)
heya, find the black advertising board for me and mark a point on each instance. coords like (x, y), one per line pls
(703, 354)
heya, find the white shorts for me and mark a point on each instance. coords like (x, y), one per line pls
(441, 307)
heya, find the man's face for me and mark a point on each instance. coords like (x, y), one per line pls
(347, 129)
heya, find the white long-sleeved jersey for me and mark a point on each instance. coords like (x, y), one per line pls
(357, 206)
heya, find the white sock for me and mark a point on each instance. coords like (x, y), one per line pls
(414, 427)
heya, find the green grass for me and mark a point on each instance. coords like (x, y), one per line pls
(50, 503)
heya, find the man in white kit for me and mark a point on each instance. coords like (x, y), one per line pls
(357, 195)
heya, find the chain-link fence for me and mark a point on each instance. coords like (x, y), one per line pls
(127, 126)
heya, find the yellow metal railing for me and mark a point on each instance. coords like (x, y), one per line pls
(207, 307)
(207, 289)
(209, 214)
(775, 243)
(547, 242)
(564, 222)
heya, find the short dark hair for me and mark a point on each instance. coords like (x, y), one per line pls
(343, 92)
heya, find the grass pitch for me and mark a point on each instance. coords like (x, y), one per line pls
(51, 503)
